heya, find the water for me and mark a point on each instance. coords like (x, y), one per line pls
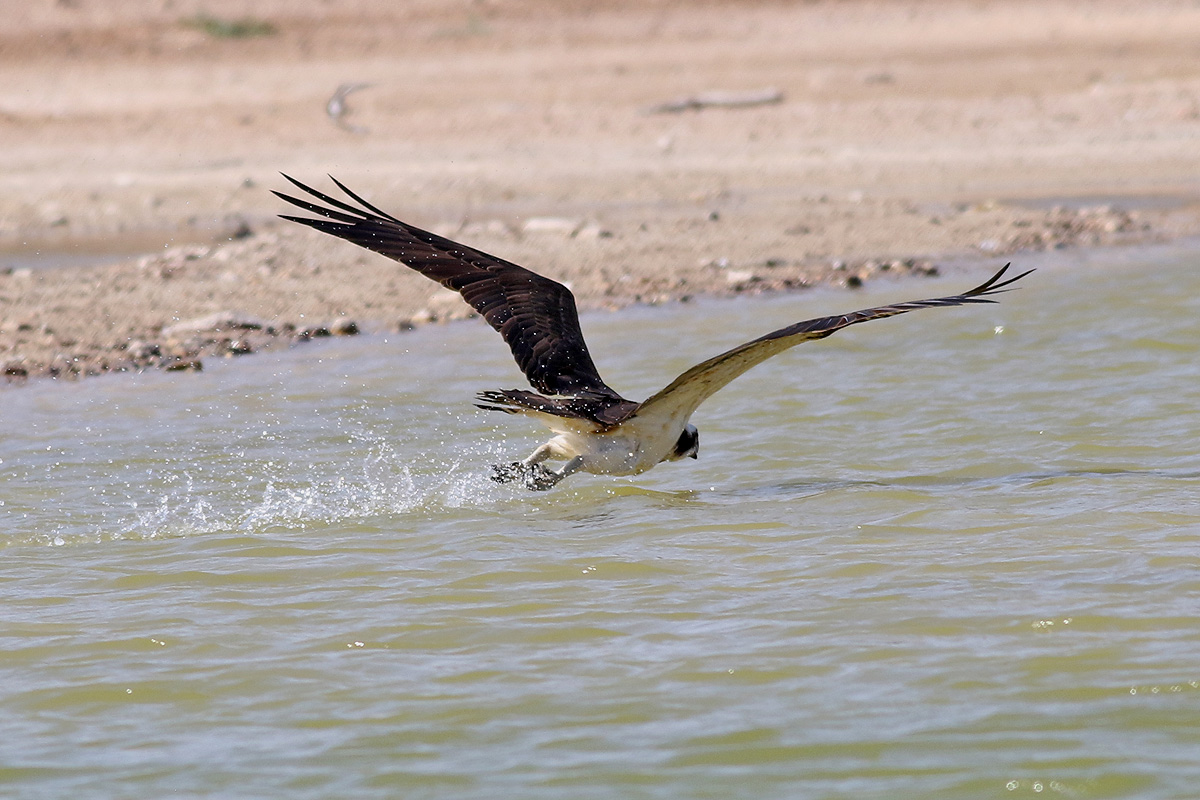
(77, 252)
(952, 554)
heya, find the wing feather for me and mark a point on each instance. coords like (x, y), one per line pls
(685, 394)
(535, 315)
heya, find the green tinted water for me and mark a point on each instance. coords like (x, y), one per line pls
(953, 554)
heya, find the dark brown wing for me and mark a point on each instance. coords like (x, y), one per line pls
(685, 394)
(535, 315)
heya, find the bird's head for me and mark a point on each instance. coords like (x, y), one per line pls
(688, 445)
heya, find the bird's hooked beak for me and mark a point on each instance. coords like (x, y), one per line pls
(687, 445)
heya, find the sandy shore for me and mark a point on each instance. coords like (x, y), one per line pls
(906, 133)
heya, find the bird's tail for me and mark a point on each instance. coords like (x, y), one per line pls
(515, 401)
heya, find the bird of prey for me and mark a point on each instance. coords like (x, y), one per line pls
(598, 430)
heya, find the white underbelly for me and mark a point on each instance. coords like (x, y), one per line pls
(625, 450)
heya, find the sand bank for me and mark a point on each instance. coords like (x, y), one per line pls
(900, 134)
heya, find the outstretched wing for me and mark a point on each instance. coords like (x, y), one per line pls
(535, 315)
(689, 390)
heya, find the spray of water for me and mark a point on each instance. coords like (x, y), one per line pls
(269, 482)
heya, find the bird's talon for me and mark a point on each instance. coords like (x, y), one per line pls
(539, 479)
(507, 473)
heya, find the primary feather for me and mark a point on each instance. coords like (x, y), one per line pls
(535, 315)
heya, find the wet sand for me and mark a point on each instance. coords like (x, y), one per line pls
(906, 135)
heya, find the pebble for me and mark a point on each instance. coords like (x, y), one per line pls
(217, 321)
(342, 326)
(558, 225)
(139, 350)
(593, 231)
(739, 279)
(312, 332)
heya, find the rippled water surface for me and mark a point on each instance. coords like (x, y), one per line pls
(952, 554)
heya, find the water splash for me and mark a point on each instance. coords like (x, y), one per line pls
(382, 485)
(365, 479)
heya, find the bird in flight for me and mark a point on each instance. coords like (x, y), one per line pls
(598, 430)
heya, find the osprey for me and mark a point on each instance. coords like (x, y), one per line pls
(598, 430)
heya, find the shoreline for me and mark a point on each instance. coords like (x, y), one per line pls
(54, 346)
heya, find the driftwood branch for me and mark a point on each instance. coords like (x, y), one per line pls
(757, 97)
